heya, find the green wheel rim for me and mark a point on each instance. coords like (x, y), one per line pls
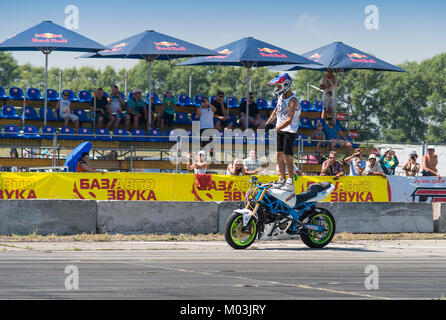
(325, 221)
(237, 236)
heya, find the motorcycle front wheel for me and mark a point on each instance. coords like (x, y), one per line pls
(238, 236)
(316, 239)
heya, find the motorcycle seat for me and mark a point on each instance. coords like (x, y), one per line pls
(312, 192)
(319, 187)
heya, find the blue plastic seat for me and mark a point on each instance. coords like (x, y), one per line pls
(155, 135)
(242, 100)
(31, 113)
(11, 131)
(262, 103)
(305, 123)
(49, 114)
(194, 117)
(122, 135)
(86, 134)
(232, 102)
(15, 93)
(103, 135)
(197, 100)
(3, 95)
(72, 95)
(318, 106)
(47, 132)
(52, 95)
(185, 100)
(34, 94)
(318, 120)
(182, 118)
(212, 99)
(9, 112)
(31, 132)
(84, 96)
(139, 135)
(82, 114)
(68, 133)
(156, 99)
(306, 105)
(274, 103)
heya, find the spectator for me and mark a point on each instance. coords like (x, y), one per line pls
(389, 162)
(318, 136)
(412, 167)
(168, 112)
(134, 106)
(64, 108)
(206, 114)
(236, 168)
(114, 108)
(255, 120)
(357, 165)
(156, 115)
(102, 112)
(328, 84)
(224, 120)
(200, 166)
(82, 165)
(332, 167)
(373, 168)
(332, 132)
(430, 162)
(252, 164)
(14, 154)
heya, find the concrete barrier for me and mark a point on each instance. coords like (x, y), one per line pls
(87, 216)
(157, 217)
(44, 217)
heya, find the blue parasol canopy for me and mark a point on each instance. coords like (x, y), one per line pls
(73, 158)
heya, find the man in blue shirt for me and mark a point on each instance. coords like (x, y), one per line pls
(357, 165)
(134, 107)
(332, 132)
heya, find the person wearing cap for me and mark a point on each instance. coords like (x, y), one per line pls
(236, 168)
(430, 162)
(333, 133)
(389, 162)
(168, 112)
(199, 167)
(134, 106)
(318, 136)
(373, 168)
(411, 167)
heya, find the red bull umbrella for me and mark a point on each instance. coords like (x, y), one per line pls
(249, 52)
(47, 37)
(151, 45)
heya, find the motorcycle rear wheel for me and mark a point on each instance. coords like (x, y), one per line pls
(315, 239)
(237, 236)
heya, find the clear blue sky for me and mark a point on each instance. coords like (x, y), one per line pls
(408, 30)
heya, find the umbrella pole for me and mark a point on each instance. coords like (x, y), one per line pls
(247, 96)
(335, 98)
(45, 103)
(149, 116)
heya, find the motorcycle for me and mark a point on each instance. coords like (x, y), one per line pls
(274, 214)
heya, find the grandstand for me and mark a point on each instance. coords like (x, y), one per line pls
(22, 127)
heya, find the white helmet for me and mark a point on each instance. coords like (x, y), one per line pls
(285, 80)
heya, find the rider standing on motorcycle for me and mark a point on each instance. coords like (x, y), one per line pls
(287, 113)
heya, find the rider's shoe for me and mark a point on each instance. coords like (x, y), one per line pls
(288, 186)
(278, 184)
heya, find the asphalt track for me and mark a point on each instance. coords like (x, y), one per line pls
(212, 270)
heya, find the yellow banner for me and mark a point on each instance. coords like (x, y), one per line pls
(170, 187)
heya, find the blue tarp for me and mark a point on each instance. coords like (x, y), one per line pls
(75, 155)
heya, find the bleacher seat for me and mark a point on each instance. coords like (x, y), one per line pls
(52, 95)
(139, 135)
(49, 114)
(318, 120)
(86, 134)
(15, 93)
(262, 103)
(185, 100)
(197, 100)
(30, 113)
(11, 131)
(34, 94)
(122, 135)
(84, 96)
(71, 96)
(82, 114)
(68, 133)
(305, 123)
(212, 99)
(9, 112)
(48, 132)
(194, 117)
(274, 103)
(103, 134)
(242, 100)
(156, 135)
(3, 95)
(318, 106)
(306, 105)
(156, 99)
(31, 132)
(182, 118)
(232, 102)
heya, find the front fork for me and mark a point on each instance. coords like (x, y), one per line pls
(248, 214)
